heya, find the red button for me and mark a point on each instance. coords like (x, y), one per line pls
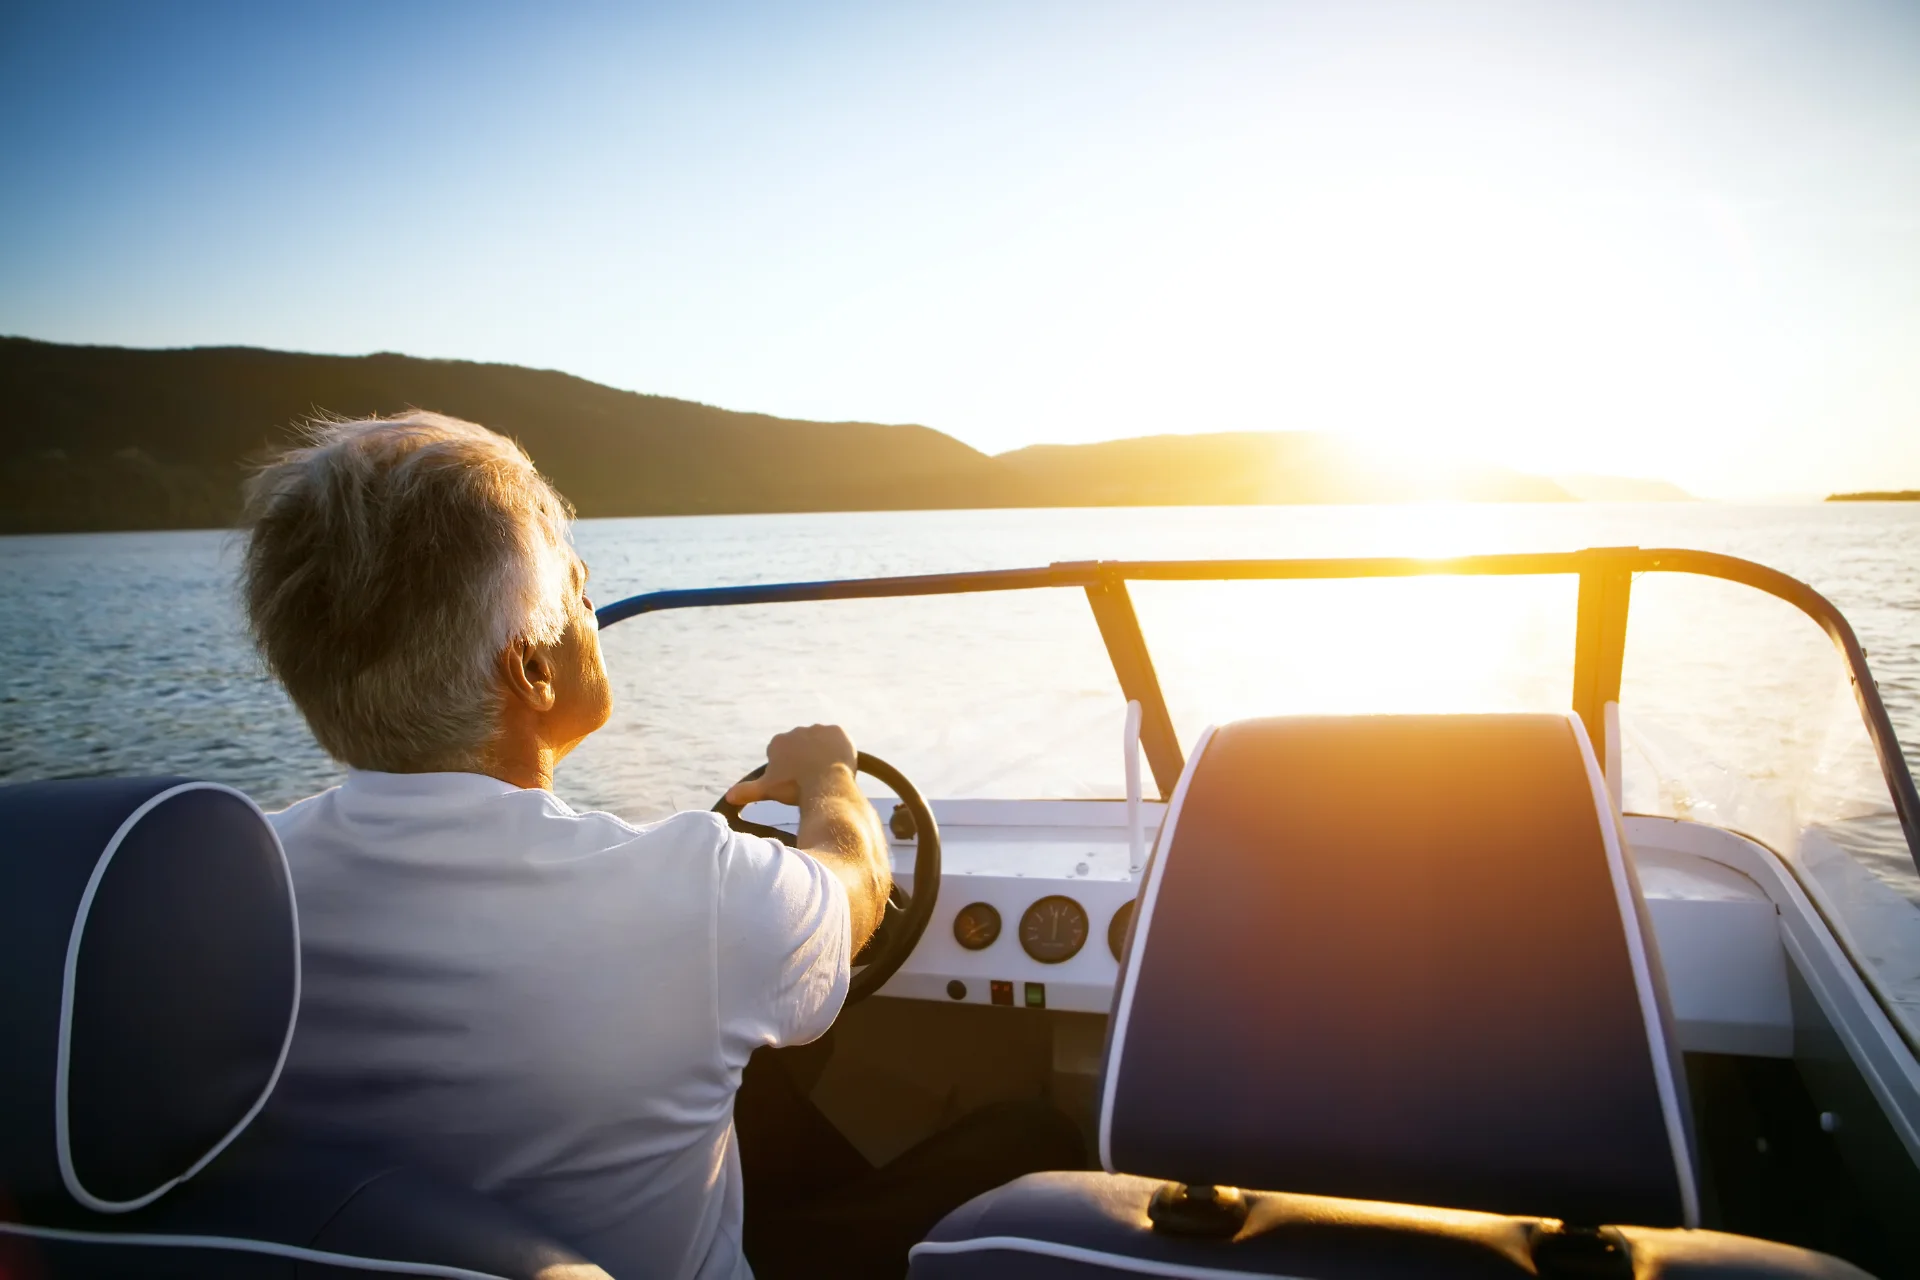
(1002, 992)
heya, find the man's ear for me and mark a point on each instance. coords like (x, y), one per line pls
(529, 675)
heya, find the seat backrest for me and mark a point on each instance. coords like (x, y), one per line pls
(149, 979)
(149, 982)
(1400, 958)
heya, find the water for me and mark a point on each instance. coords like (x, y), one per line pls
(126, 653)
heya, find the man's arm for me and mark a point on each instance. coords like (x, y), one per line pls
(813, 768)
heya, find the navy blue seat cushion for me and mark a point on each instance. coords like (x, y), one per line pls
(1399, 958)
(157, 916)
(1076, 1226)
(314, 1200)
(148, 942)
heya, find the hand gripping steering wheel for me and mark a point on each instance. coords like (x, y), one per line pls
(907, 914)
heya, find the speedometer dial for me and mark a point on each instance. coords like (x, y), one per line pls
(1054, 929)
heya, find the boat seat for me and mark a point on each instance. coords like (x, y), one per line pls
(149, 983)
(1379, 963)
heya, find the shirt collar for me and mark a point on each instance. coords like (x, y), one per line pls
(425, 787)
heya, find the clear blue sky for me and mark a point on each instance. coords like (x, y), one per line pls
(1675, 239)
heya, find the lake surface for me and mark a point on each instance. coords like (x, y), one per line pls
(126, 652)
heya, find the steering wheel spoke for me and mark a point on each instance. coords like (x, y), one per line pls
(892, 920)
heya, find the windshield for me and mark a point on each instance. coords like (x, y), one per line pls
(1735, 707)
(1003, 695)
(1013, 695)
(1229, 650)
(1737, 710)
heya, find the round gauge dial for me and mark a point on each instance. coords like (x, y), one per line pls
(1117, 928)
(977, 926)
(1054, 929)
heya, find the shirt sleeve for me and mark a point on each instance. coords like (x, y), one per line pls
(783, 943)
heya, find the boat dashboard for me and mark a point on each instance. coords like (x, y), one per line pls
(1036, 897)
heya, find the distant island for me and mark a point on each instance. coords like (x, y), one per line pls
(1622, 489)
(1877, 495)
(98, 438)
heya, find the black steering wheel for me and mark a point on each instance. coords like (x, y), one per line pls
(907, 914)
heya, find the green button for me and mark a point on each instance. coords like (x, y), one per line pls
(1036, 995)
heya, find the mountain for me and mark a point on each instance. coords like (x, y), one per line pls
(1232, 468)
(104, 437)
(114, 438)
(1622, 489)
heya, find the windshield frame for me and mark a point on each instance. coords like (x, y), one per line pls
(1606, 581)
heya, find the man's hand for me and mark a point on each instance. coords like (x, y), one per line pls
(799, 762)
(813, 768)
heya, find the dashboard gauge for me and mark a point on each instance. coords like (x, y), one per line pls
(977, 926)
(1054, 929)
(1117, 928)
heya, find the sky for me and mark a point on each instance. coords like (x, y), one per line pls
(1676, 240)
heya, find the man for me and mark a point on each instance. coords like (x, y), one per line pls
(555, 1007)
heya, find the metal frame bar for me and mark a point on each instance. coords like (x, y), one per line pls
(1606, 576)
(1133, 664)
(1600, 648)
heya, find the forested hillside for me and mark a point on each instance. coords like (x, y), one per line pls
(112, 438)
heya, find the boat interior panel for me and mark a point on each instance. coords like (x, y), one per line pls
(1719, 931)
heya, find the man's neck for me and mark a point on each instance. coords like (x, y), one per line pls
(527, 765)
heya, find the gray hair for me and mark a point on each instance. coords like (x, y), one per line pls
(389, 561)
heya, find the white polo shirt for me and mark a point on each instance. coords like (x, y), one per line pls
(554, 1007)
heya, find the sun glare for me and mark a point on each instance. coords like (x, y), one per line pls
(1411, 645)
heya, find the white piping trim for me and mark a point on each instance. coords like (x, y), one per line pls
(1610, 722)
(62, 1134)
(1657, 1047)
(297, 1252)
(1130, 755)
(1096, 1257)
(1149, 894)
